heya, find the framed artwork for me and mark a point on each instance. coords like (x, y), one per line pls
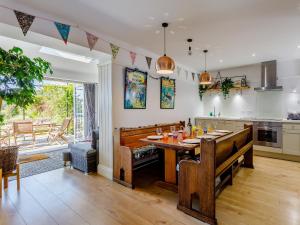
(167, 93)
(135, 91)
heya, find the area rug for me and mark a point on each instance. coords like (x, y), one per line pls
(53, 161)
(31, 158)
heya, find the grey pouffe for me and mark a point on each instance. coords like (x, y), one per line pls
(83, 157)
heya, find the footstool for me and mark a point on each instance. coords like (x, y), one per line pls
(83, 157)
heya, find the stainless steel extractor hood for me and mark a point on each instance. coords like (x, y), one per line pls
(269, 77)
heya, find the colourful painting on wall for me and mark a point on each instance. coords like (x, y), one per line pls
(135, 92)
(167, 93)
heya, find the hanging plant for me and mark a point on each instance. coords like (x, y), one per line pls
(18, 76)
(202, 90)
(226, 85)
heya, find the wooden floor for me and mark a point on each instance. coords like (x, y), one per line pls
(268, 195)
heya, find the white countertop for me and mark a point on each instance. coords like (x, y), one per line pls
(249, 119)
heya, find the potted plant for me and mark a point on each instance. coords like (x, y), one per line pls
(18, 76)
(226, 85)
(202, 90)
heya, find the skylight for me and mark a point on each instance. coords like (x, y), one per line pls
(67, 55)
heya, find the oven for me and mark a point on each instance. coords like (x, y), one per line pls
(268, 134)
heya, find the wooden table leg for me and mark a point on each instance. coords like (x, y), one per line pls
(170, 166)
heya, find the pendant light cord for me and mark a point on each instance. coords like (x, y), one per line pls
(165, 41)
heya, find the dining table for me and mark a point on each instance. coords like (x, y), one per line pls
(172, 146)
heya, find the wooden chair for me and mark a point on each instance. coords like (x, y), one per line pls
(23, 128)
(9, 166)
(4, 136)
(58, 133)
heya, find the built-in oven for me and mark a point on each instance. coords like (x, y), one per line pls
(268, 134)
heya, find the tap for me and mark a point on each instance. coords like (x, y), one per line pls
(214, 112)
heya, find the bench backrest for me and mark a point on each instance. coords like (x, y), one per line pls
(130, 137)
(228, 145)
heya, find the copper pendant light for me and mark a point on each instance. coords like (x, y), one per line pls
(165, 64)
(205, 77)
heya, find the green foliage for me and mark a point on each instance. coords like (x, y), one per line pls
(226, 85)
(202, 90)
(52, 102)
(18, 76)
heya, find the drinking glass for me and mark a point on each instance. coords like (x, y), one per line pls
(172, 129)
(159, 131)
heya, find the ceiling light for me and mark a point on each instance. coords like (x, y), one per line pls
(172, 32)
(166, 14)
(221, 60)
(67, 55)
(298, 46)
(205, 77)
(253, 54)
(165, 64)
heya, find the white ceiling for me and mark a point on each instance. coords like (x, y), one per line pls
(232, 30)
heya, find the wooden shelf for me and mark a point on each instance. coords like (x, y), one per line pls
(232, 89)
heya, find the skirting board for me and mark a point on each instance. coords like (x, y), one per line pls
(105, 171)
(278, 156)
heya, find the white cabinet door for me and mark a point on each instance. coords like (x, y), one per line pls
(291, 142)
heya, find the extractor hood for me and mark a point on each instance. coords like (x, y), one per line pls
(269, 77)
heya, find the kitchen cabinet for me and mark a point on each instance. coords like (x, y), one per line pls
(291, 139)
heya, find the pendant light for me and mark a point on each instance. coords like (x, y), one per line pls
(165, 64)
(205, 77)
(190, 47)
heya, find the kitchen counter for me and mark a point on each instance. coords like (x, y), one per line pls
(248, 119)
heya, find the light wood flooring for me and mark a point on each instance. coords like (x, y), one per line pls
(267, 195)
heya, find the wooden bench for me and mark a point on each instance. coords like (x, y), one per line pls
(201, 181)
(130, 154)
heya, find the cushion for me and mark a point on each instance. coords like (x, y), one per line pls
(82, 148)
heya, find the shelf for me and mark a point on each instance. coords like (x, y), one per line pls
(232, 89)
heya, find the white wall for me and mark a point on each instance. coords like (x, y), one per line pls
(187, 101)
(273, 104)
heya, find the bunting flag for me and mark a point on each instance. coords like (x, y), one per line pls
(178, 69)
(63, 30)
(198, 77)
(114, 50)
(92, 40)
(148, 60)
(193, 76)
(132, 56)
(25, 21)
(186, 74)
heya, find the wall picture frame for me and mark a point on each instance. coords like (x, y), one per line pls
(135, 89)
(167, 93)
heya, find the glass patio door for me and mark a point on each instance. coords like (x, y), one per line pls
(78, 112)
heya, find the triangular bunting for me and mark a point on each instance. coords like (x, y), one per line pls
(198, 75)
(148, 60)
(25, 21)
(178, 70)
(132, 56)
(193, 76)
(186, 74)
(63, 30)
(92, 40)
(114, 50)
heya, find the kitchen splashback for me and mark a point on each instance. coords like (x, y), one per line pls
(250, 104)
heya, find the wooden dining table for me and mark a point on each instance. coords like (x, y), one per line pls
(172, 146)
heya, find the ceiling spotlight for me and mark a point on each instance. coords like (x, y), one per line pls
(221, 60)
(190, 48)
(298, 46)
(253, 54)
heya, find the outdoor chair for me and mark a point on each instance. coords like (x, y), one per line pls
(23, 128)
(57, 134)
(4, 136)
(9, 166)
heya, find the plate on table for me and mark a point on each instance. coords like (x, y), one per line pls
(191, 141)
(155, 137)
(215, 133)
(206, 136)
(170, 134)
(223, 131)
